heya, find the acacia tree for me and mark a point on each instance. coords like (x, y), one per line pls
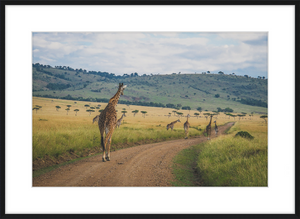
(199, 109)
(68, 110)
(179, 114)
(206, 115)
(57, 108)
(240, 115)
(36, 109)
(90, 111)
(87, 105)
(68, 106)
(144, 113)
(174, 111)
(186, 108)
(124, 112)
(264, 117)
(76, 110)
(196, 114)
(135, 112)
(40, 107)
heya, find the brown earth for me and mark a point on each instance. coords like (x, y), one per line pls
(144, 165)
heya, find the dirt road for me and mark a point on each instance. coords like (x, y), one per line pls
(144, 165)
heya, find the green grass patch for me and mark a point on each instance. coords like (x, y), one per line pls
(225, 161)
(184, 167)
(229, 161)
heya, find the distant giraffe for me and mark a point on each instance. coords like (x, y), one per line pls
(96, 118)
(216, 128)
(186, 126)
(120, 120)
(208, 128)
(107, 122)
(171, 125)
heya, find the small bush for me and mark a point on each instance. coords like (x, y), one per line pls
(244, 134)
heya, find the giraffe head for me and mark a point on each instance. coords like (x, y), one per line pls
(178, 120)
(122, 88)
(188, 115)
(215, 121)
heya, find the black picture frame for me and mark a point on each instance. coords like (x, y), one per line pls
(151, 2)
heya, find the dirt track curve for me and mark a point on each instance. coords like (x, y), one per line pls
(144, 165)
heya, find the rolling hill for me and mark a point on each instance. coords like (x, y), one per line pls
(211, 92)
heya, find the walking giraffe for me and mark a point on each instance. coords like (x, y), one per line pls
(208, 128)
(171, 125)
(107, 122)
(120, 120)
(216, 128)
(186, 126)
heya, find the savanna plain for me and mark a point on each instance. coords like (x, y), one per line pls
(62, 136)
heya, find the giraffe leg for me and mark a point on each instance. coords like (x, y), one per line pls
(107, 142)
(108, 149)
(103, 147)
(187, 134)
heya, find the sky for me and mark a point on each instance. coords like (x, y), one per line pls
(154, 53)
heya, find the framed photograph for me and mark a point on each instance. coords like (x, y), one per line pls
(155, 66)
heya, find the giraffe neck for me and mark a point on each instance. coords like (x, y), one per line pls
(210, 121)
(114, 100)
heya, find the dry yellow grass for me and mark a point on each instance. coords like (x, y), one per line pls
(57, 131)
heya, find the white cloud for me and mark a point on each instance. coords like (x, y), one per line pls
(164, 53)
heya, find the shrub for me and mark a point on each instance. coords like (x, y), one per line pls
(244, 134)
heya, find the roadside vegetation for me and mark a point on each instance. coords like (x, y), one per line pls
(226, 160)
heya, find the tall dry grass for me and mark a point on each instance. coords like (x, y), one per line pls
(55, 132)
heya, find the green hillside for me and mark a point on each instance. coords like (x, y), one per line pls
(208, 91)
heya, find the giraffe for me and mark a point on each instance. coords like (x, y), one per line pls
(96, 118)
(120, 120)
(208, 128)
(216, 128)
(171, 125)
(186, 126)
(107, 122)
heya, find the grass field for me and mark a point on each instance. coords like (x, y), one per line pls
(55, 132)
(227, 160)
(224, 161)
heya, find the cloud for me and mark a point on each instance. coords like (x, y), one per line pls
(147, 53)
